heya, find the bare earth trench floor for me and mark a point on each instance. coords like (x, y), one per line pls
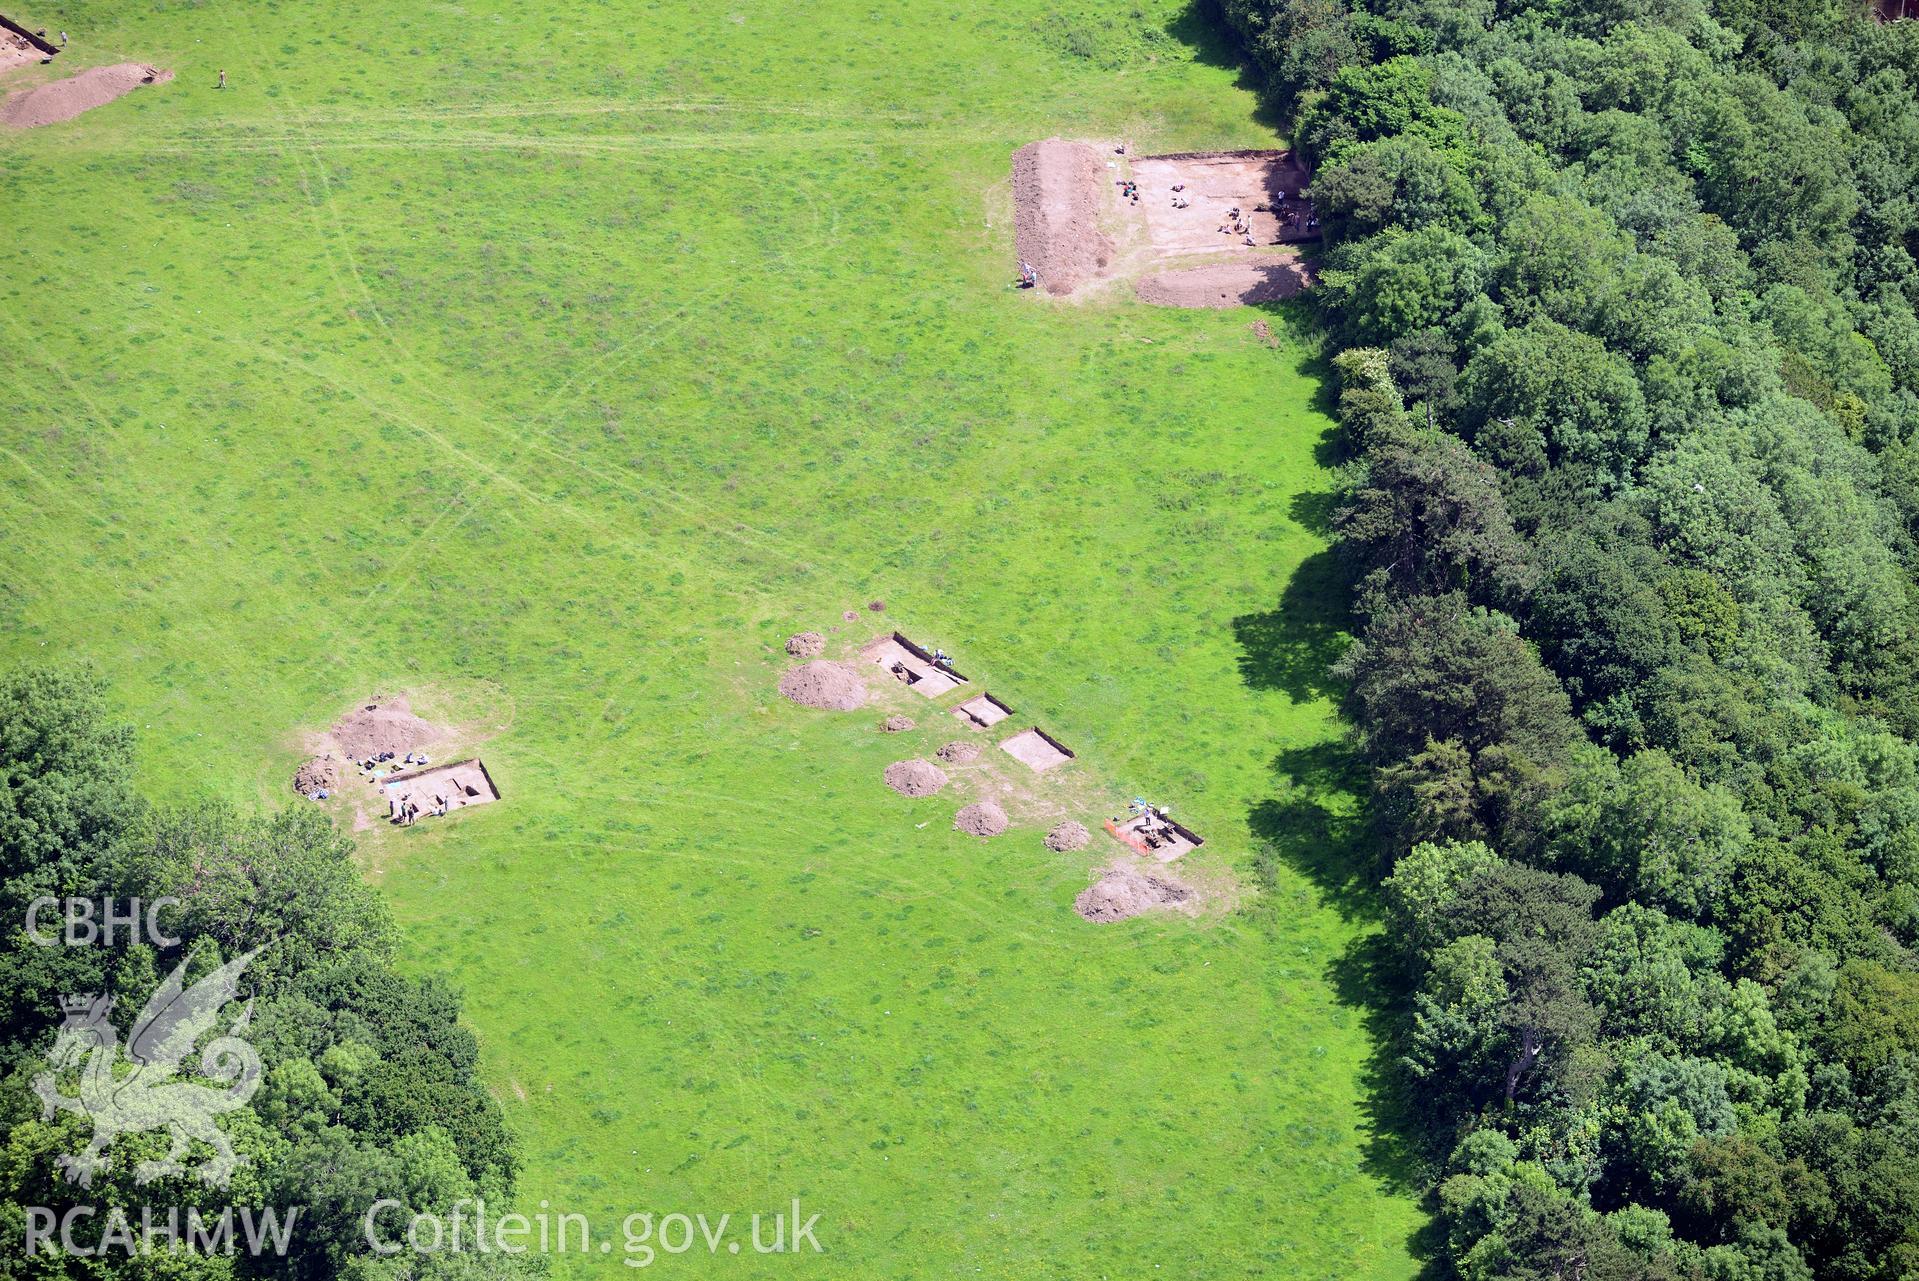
(1190, 229)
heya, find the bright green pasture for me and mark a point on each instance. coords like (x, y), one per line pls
(556, 363)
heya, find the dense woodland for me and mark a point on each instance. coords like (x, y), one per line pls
(369, 1090)
(1623, 299)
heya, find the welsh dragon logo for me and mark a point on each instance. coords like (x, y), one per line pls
(148, 1094)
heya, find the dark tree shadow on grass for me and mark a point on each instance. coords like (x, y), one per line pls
(1313, 828)
(1202, 28)
(1336, 854)
(1330, 449)
(1299, 322)
(1401, 1143)
(1293, 646)
(1307, 832)
(1313, 509)
(1315, 835)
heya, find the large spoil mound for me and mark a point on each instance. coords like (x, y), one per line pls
(915, 778)
(834, 687)
(958, 752)
(1124, 892)
(1068, 836)
(316, 774)
(982, 818)
(65, 99)
(1056, 189)
(376, 728)
(805, 644)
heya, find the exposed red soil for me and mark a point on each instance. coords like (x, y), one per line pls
(830, 686)
(17, 51)
(982, 818)
(64, 99)
(317, 773)
(1124, 892)
(441, 790)
(915, 778)
(1228, 285)
(1224, 199)
(1195, 229)
(374, 728)
(1056, 190)
(1036, 751)
(1068, 836)
(983, 711)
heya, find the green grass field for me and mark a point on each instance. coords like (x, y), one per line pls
(556, 364)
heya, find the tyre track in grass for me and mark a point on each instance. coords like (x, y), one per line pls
(702, 512)
(604, 145)
(106, 427)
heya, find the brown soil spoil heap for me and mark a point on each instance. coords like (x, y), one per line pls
(959, 752)
(982, 818)
(1068, 836)
(835, 687)
(805, 645)
(915, 778)
(65, 99)
(316, 774)
(376, 728)
(1124, 892)
(896, 724)
(1056, 190)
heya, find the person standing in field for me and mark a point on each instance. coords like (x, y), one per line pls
(223, 79)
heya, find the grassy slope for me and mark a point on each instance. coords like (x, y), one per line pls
(563, 365)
